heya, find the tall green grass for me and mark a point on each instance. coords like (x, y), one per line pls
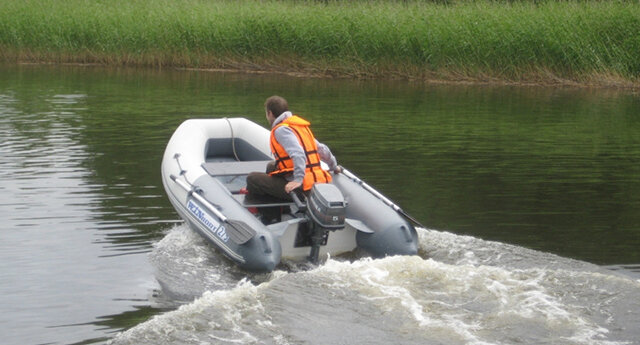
(486, 40)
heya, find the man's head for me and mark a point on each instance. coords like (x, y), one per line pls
(274, 106)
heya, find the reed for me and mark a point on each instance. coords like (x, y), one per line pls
(541, 41)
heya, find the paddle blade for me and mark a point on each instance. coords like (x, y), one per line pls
(239, 232)
(358, 225)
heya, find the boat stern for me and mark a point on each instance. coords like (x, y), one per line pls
(398, 238)
(260, 254)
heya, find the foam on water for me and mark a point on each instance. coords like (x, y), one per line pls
(460, 290)
(186, 266)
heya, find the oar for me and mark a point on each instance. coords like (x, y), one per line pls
(378, 195)
(239, 232)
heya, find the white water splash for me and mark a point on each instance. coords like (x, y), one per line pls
(186, 266)
(471, 304)
(469, 292)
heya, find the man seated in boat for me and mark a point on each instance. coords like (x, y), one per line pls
(297, 153)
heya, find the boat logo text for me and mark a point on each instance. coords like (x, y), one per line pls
(208, 221)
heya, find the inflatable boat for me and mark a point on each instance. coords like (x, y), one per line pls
(204, 172)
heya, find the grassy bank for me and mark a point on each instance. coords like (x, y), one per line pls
(547, 41)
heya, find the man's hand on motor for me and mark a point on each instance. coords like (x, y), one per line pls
(291, 186)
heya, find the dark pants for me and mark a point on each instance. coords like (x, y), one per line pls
(262, 184)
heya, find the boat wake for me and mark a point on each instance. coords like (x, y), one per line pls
(458, 290)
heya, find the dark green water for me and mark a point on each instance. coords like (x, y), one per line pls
(556, 170)
(81, 200)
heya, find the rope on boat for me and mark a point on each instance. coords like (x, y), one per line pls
(233, 140)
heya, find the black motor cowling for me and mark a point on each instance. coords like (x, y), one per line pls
(326, 206)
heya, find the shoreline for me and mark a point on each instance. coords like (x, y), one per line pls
(429, 78)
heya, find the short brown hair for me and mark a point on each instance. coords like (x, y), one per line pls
(276, 105)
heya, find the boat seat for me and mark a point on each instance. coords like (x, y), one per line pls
(234, 168)
(261, 202)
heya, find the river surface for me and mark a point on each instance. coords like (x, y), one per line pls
(530, 197)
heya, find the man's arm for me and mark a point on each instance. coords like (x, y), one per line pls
(326, 156)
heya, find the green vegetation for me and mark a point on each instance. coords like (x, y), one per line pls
(520, 41)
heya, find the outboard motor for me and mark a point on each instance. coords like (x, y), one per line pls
(326, 209)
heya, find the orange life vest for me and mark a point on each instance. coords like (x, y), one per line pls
(284, 164)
